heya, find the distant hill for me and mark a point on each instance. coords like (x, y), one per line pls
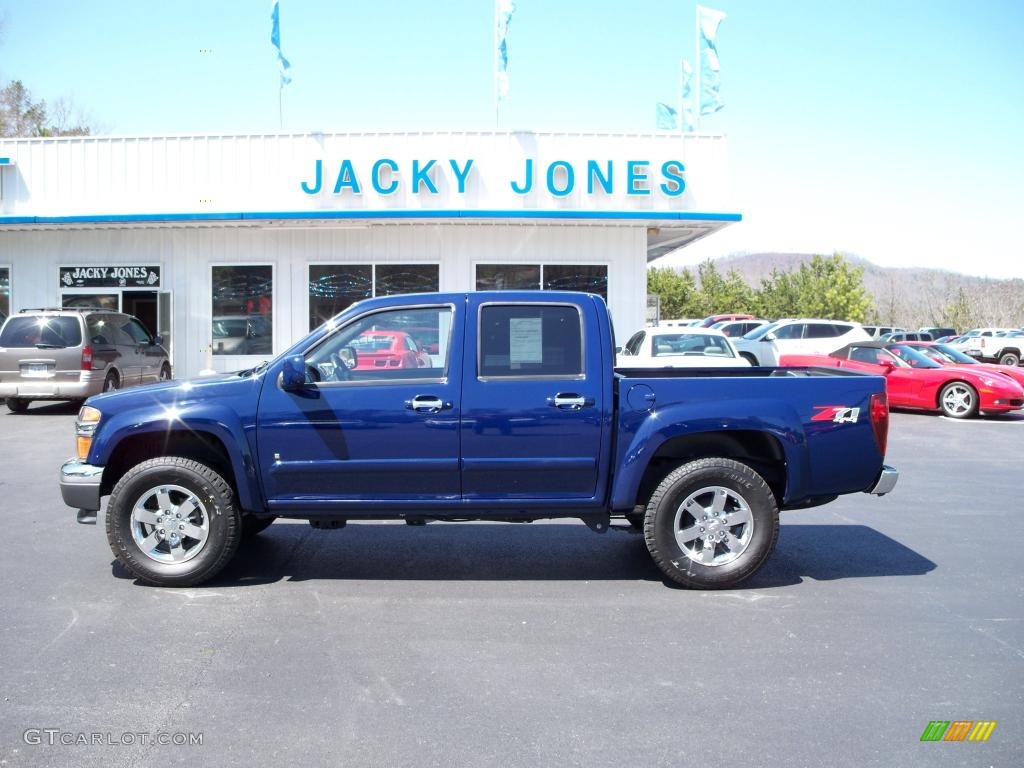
(912, 297)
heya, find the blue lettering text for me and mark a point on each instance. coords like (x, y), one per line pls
(528, 184)
(422, 176)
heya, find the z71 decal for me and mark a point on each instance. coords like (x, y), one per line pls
(840, 414)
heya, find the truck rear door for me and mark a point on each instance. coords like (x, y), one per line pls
(532, 401)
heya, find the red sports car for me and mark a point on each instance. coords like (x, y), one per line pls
(914, 381)
(388, 349)
(943, 354)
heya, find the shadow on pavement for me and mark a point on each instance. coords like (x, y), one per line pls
(45, 408)
(504, 552)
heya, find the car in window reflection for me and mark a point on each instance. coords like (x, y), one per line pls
(242, 335)
(388, 349)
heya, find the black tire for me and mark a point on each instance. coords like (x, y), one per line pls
(17, 404)
(112, 382)
(956, 410)
(699, 480)
(165, 372)
(749, 358)
(1009, 358)
(223, 521)
(253, 525)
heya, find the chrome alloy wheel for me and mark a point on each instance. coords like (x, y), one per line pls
(958, 399)
(713, 526)
(170, 524)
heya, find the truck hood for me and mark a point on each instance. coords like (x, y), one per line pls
(173, 392)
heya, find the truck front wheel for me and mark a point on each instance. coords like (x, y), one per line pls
(711, 524)
(172, 522)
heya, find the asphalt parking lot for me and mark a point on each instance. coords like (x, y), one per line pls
(530, 645)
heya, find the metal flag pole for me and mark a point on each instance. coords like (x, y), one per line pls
(494, 68)
(699, 66)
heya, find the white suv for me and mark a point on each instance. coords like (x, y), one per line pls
(801, 336)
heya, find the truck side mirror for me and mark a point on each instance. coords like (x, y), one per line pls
(293, 375)
(158, 340)
(769, 336)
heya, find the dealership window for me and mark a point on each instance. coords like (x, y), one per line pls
(5, 293)
(590, 278)
(243, 300)
(523, 340)
(108, 301)
(335, 287)
(507, 277)
(391, 279)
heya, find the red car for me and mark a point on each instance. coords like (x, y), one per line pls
(944, 354)
(710, 320)
(914, 381)
(388, 349)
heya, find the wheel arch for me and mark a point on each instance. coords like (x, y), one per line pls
(125, 446)
(761, 451)
(941, 388)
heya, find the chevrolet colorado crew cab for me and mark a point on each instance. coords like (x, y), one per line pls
(518, 415)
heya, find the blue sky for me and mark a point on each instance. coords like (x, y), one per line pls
(887, 129)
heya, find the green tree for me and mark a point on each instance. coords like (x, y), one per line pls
(833, 289)
(678, 291)
(777, 296)
(19, 114)
(22, 116)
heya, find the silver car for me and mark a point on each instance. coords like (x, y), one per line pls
(70, 354)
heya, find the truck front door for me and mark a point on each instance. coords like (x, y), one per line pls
(378, 426)
(532, 403)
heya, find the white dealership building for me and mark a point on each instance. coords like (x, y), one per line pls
(232, 247)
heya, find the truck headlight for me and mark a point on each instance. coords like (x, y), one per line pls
(85, 426)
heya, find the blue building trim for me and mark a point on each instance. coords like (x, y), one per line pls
(398, 215)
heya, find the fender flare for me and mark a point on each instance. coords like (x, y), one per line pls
(197, 417)
(775, 419)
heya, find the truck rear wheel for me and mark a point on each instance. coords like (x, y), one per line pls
(711, 524)
(172, 522)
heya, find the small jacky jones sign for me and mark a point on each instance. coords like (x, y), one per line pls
(117, 276)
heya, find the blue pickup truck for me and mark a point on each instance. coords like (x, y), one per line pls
(501, 406)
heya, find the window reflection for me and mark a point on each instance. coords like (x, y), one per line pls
(5, 293)
(407, 278)
(507, 277)
(589, 278)
(334, 288)
(243, 300)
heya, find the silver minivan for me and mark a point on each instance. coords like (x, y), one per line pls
(70, 354)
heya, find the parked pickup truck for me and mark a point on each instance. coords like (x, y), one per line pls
(519, 416)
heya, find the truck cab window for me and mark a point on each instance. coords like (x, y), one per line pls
(530, 340)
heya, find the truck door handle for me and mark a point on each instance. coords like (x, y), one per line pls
(427, 404)
(569, 401)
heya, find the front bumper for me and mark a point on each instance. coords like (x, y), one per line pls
(80, 484)
(886, 481)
